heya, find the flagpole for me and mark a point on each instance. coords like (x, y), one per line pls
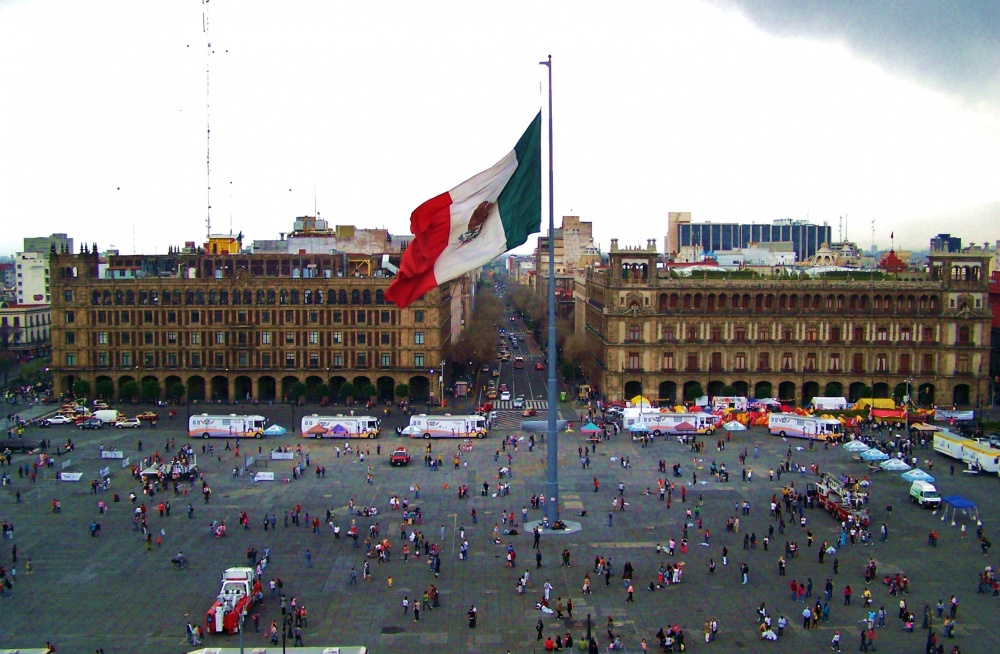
(552, 471)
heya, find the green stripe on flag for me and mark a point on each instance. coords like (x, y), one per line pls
(520, 202)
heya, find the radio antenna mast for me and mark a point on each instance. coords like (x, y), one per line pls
(873, 235)
(208, 123)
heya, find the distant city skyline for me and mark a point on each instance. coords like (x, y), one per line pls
(739, 112)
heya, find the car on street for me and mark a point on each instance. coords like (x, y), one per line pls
(91, 423)
(503, 387)
(59, 420)
(485, 407)
(129, 423)
(486, 368)
(400, 457)
(491, 393)
(496, 373)
(527, 413)
(505, 395)
(519, 402)
(147, 415)
(539, 366)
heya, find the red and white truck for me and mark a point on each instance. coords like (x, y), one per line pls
(240, 591)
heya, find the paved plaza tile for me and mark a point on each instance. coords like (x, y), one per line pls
(108, 591)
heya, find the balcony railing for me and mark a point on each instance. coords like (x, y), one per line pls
(692, 369)
(668, 369)
(716, 369)
(633, 370)
(763, 368)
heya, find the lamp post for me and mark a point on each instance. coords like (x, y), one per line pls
(906, 404)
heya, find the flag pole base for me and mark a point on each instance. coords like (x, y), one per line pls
(572, 527)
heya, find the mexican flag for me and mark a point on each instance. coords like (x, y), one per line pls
(475, 222)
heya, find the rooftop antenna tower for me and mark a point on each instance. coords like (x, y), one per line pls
(873, 234)
(208, 123)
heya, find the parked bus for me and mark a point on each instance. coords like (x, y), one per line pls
(676, 423)
(796, 426)
(231, 426)
(518, 361)
(315, 426)
(448, 426)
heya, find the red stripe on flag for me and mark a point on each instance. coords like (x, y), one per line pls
(430, 224)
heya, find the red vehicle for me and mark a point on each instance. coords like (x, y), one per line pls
(400, 457)
(484, 408)
(539, 366)
(240, 591)
(838, 500)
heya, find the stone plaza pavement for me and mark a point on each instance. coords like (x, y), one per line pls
(109, 592)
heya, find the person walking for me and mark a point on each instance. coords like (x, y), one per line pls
(309, 559)
(835, 643)
(539, 627)
(630, 591)
(472, 614)
(354, 579)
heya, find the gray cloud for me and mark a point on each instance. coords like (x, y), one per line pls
(952, 45)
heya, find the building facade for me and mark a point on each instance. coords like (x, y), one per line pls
(238, 326)
(655, 333)
(32, 285)
(805, 238)
(24, 329)
(573, 241)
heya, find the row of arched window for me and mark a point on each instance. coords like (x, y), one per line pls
(237, 297)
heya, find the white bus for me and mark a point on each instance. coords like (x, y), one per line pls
(231, 426)
(677, 423)
(796, 426)
(315, 426)
(448, 426)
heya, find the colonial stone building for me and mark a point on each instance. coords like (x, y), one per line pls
(655, 332)
(233, 326)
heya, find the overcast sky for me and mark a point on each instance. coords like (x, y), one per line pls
(734, 110)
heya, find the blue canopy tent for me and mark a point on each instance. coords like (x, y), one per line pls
(956, 503)
(894, 465)
(857, 446)
(874, 454)
(275, 430)
(590, 428)
(638, 428)
(917, 475)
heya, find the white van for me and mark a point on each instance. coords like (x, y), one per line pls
(925, 494)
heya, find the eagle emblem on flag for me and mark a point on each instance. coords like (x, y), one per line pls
(477, 221)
